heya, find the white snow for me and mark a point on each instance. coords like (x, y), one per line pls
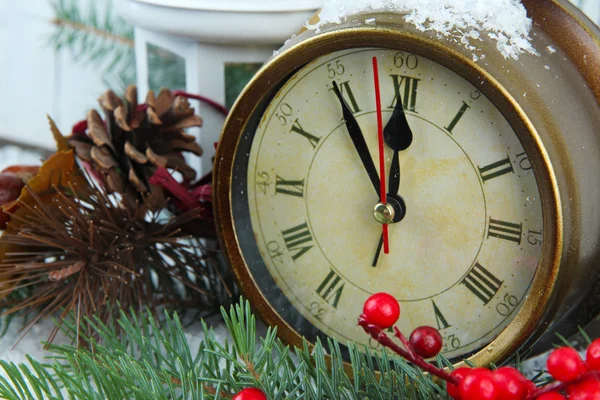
(504, 21)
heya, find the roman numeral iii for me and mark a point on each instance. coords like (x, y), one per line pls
(505, 230)
(496, 169)
(482, 283)
(331, 288)
(405, 87)
(298, 240)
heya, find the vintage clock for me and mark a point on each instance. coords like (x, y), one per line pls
(493, 199)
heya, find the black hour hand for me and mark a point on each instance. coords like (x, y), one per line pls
(397, 134)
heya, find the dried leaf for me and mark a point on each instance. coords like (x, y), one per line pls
(24, 172)
(61, 141)
(10, 190)
(58, 172)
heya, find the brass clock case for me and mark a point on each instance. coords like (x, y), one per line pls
(551, 102)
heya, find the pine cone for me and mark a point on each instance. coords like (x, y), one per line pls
(134, 140)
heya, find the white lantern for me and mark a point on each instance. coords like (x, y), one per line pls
(212, 36)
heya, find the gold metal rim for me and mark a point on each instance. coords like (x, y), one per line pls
(543, 298)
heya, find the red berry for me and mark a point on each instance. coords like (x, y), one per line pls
(459, 374)
(382, 310)
(589, 389)
(250, 394)
(551, 396)
(564, 364)
(511, 383)
(426, 341)
(479, 384)
(592, 356)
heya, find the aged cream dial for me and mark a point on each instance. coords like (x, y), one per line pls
(463, 257)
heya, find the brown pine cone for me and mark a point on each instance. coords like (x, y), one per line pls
(134, 140)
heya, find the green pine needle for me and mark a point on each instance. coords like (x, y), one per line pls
(157, 363)
(100, 38)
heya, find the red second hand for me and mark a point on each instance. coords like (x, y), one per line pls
(382, 191)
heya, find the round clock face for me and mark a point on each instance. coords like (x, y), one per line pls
(465, 252)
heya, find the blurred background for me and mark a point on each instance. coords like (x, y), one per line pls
(58, 56)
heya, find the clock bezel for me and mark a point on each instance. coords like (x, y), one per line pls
(546, 288)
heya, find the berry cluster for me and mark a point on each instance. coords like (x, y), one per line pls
(250, 394)
(576, 379)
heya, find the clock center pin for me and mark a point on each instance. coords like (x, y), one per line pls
(383, 213)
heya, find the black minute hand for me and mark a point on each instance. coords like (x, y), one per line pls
(358, 139)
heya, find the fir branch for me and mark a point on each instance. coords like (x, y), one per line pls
(101, 38)
(93, 36)
(157, 363)
(86, 29)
